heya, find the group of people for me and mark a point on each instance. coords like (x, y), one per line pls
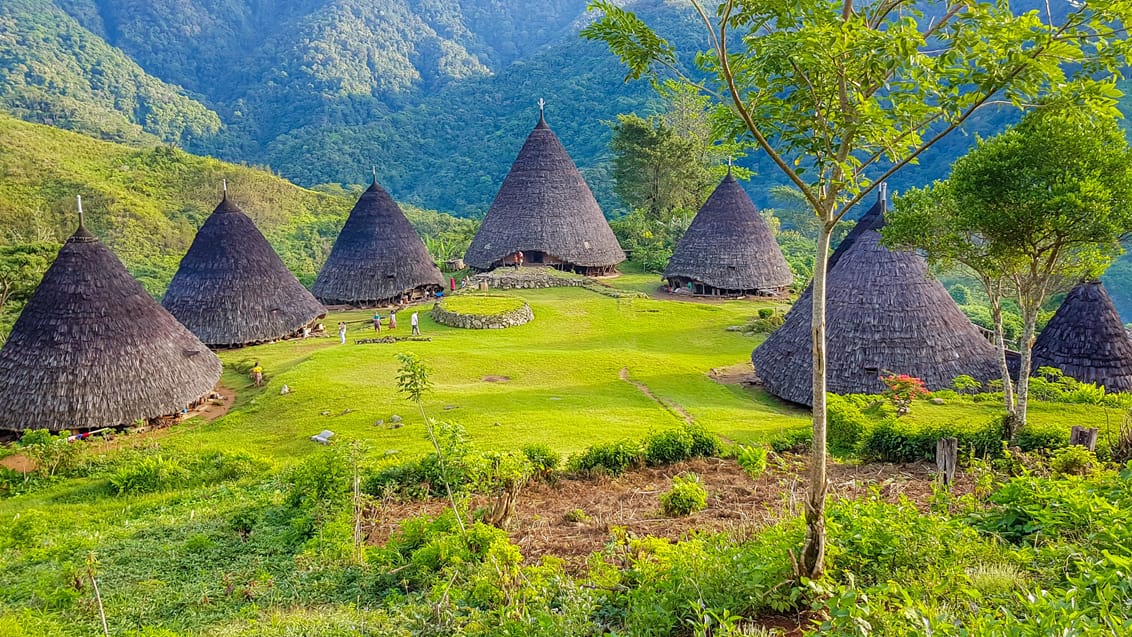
(414, 323)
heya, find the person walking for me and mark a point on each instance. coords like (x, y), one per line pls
(342, 332)
(376, 322)
(257, 374)
(415, 322)
(452, 283)
(393, 319)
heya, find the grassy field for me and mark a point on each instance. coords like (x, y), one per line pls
(558, 380)
(481, 304)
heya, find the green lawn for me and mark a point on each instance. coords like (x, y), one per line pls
(564, 384)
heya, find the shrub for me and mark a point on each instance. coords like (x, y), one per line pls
(544, 460)
(611, 457)
(1073, 460)
(753, 460)
(704, 443)
(577, 516)
(668, 447)
(766, 312)
(150, 474)
(793, 441)
(965, 384)
(1034, 437)
(847, 426)
(902, 389)
(893, 440)
(686, 496)
(51, 453)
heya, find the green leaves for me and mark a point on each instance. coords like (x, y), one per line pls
(412, 377)
(629, 38)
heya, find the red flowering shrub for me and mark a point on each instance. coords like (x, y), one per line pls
(902, 389)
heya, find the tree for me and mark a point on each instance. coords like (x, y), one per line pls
(21, 268)
(669, 163)
(1029, 212)
(840, 95)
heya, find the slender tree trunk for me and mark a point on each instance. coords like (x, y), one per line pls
(1030, 320)
(443, 468)
(813, 552)
(1000, 343)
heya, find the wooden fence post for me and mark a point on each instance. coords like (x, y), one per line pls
(1084, 437)
(946, 458)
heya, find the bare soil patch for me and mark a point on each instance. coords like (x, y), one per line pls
(740, 374)
(18, 462)
(496, 379)
(546, 520)
(210, 410)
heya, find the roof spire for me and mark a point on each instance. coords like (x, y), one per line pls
(224, 183)
(541, 114)
(882, 194)
(375, 175)
(80, 200)
(729, 160)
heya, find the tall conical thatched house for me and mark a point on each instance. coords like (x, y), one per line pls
(728, 249)
(377, 257)
(1086, 340)
(232, 288)
(92, 349)
(885, 315)
(546, 211)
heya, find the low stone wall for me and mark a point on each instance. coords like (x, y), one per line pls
(483, 322)
(525, 279)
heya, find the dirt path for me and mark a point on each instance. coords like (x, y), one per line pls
(674, 408)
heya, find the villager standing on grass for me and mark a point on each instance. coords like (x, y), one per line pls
(393, 319)
(376, 322)
(257, 374)
(342, 332)
(415, 322)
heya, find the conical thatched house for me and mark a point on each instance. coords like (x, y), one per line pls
(1086, 340)
(92, 349)
(728, 249)
(885, 315)
(232, 288)
(377, 257)
(546, 211)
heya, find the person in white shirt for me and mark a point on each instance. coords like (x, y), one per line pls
(415, 322)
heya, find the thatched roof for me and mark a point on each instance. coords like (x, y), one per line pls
(1086, 340)
(377, 256)
(233, 289)
(885, 315)
(545, 206)
(93, 349)
(729, 245)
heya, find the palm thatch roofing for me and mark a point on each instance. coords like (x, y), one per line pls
(729, 246)
(1085, 339)
(232, 288)
(377, 256)
(885, 315)
(545, 207)
(92, 349)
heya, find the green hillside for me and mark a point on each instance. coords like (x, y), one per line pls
(147, 202)
(54, 71)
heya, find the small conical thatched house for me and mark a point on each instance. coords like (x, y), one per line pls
(546, 211)
(232, 288)
(728, 249)
(92, 349)
(377, 257)
(1086, 340)
(885, 315)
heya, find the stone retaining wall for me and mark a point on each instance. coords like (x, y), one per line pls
(524, 279)
(481, 322)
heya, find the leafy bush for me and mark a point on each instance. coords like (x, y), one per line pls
(847, 426)
(893, 440)
(965, 384)
(766, 312)
(668, 447)
(51, 453)
(543, 459)
(1073, 460)
(150, 474)
(686, 496)
(1035, 437)
(612, 457)
(752, 460)
(704, 443)
(793, 441)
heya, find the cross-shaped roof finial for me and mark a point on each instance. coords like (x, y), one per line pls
(541, 107)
